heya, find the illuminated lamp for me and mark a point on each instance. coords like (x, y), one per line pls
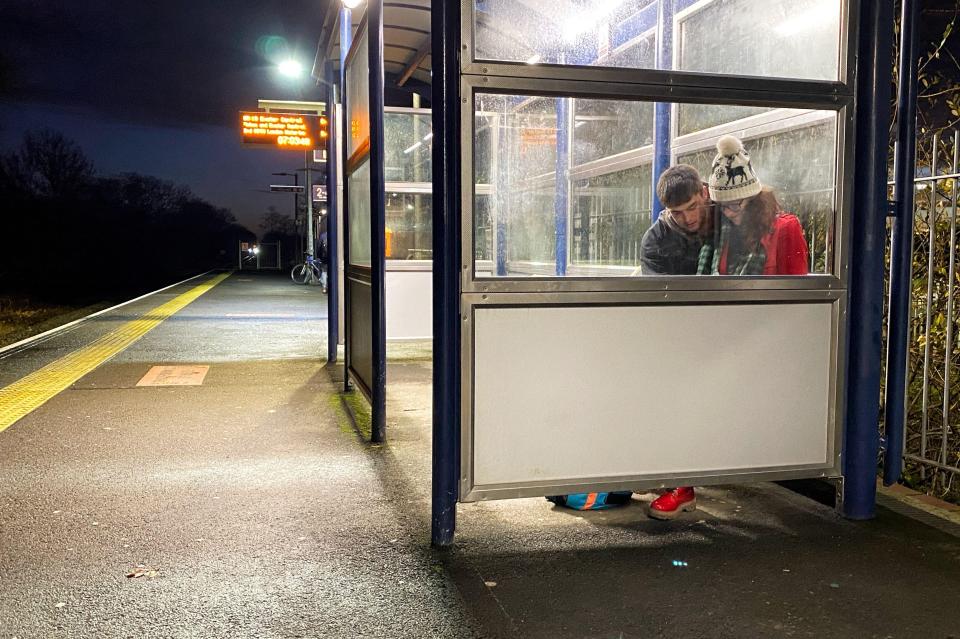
(291, 68)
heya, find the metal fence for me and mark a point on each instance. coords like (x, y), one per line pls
(932, 445)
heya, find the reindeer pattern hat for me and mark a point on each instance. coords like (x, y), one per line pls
(732, 177)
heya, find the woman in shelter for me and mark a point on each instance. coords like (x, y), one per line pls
(752, 236)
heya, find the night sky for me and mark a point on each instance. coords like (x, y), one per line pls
(155, 87)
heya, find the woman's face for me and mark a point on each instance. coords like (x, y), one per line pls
(734, 210)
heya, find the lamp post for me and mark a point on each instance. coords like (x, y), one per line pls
(296, 182)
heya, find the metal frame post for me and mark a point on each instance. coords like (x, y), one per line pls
(346, 41)
(661, 113)
(561, 204)
(378, 399)
(333, 198)
(901, 255)
(445, 34)
(308, 194)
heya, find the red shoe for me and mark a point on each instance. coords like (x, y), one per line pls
(671, 504)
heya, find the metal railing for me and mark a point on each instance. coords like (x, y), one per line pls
(931, 449)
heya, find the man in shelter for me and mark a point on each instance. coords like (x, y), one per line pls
(672, 245)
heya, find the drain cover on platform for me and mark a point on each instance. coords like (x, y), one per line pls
(174, 376)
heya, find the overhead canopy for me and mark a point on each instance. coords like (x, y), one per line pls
(406, 41)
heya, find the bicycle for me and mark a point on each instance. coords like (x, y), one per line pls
(310, 272)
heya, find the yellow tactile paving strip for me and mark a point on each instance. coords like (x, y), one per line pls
(29, 393)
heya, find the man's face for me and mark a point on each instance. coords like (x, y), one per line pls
(689, 215)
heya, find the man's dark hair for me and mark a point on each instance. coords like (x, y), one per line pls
(678, 184)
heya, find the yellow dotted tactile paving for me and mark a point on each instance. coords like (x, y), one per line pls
(29, 393)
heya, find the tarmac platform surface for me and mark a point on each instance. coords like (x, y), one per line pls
(248, 506)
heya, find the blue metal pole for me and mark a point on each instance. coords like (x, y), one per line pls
(445, 33)
(378, 403)
(562, 199)
(901, 256)
(867, 242)
(346, 41)
(333, 201)
(661, 113)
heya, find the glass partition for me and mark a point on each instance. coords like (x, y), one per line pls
(407, 146)
(358, 194)
(408, 166)
(409, 224)
(610, 214)
(358, 92)
(798, 39)
(573, 178)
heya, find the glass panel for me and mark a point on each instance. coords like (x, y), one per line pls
(607, 127)
(483, 228)
(358, 211)
(800, 165)
(773, 38)
(785, 38)
(358, 97)
(530, 220)
(408, 146)
(484, 142)
(409, 225)
(610, 215)
(697, 117)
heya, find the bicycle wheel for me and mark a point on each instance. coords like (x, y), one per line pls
(300, 273)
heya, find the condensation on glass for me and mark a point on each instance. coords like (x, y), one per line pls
(358, 97)
(409, 220)
(797, 39)
(408, 147)
(564, 186)
(358, 194)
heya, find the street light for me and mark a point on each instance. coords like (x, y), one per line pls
(352, 4)
(290, 68)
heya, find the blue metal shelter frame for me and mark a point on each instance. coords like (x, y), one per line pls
(874, 26)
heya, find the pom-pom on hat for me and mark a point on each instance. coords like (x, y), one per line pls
(732, 177)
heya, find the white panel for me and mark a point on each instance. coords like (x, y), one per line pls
(409, 304)
(573, 393)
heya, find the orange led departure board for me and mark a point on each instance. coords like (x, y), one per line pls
(280, 130)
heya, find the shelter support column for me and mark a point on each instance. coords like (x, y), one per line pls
(868, 237)
(378, 399)
(346, 41)
(333, 202)
(661, 113)
(445, 33)
(901, 249)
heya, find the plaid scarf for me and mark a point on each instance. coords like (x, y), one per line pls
(749, 263)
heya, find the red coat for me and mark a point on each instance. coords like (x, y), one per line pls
(785, 246)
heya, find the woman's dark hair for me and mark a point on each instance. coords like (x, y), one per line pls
(759, 213)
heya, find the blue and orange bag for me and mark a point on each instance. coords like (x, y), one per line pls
(592, 501)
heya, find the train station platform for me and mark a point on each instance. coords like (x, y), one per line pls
(235, 498)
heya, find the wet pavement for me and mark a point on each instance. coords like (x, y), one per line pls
(253, 509)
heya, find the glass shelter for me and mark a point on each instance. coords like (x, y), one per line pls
(523, 206)
(579, 371)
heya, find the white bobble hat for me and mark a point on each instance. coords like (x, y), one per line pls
(732, 177)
